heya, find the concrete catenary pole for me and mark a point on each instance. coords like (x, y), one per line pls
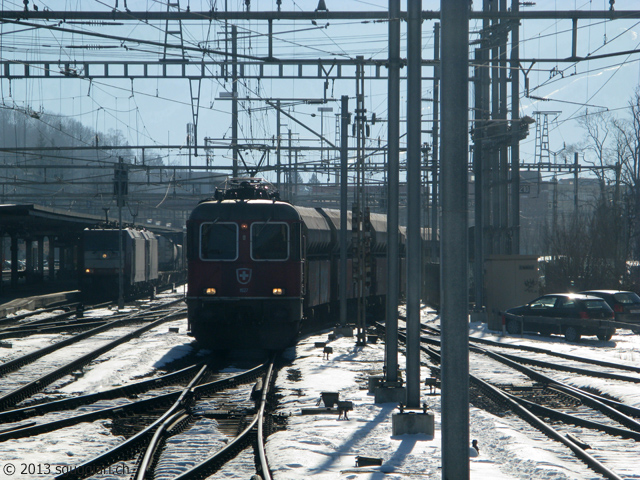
(344, 181)
(391, 358)
(515, 143)
(454, 240)
(414, 157)
(478, 184)
(234, 100)
(435, 158)
(278, 150)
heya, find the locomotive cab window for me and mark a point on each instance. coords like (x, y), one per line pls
(100, 240)
(219, 241)
(269, 241)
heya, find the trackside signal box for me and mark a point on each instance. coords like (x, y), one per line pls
(509, 281)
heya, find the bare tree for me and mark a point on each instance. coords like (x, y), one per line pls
(596, 146)
(590, 250)
(584, 252)
(627, 132)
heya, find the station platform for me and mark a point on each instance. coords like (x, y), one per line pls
(14, 301)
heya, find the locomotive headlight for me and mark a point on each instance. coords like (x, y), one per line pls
(210, 291)
(87, 270)
(278, 291)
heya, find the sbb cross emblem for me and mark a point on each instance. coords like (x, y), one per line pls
(243, 275)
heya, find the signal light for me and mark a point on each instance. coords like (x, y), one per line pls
(210, 291)
(88, 270)
(104, 255)
(278, 291)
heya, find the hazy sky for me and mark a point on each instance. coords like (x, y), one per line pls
(151, 112)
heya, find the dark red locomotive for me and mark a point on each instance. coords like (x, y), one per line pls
(258, 265)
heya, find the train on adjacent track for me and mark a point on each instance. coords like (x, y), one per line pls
(149, 261)
(258, 266)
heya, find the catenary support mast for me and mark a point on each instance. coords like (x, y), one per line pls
(391, 352)
(414, 157)
(454, 294)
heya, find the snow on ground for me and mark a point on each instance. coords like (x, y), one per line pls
(321, 446)
(139, 357)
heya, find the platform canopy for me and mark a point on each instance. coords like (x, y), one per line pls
(35, 220)
(31, 220)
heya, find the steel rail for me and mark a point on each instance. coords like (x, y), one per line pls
(31, 429)
(567, 368)
(17, 363)
(145, 468)
(135, 442)
(45, 322)
(264, 464)
(67, 307)
(529, 417)
(12, 398)
(545, 351)
(206, 467)
(55, 327)
(580, 422)
(162, 425)
(544, 379)
(70, 403)
(620, 407)
(533, 420)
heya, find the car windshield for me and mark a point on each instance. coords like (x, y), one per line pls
(626, 297)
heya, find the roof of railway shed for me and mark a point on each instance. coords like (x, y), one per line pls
(37, 220)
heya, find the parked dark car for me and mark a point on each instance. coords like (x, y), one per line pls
(570, 314)
(625, 305)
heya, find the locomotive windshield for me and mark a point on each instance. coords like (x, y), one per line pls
(269, 241)
(219, 241)
(95, 240)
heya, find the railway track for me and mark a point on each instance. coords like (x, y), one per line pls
(17, 422)
(165, 427)
(45, 320)
(564, 368)
(15, 389)
(198, 425)
(158, 427)
(569, 415)
(71, 318)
